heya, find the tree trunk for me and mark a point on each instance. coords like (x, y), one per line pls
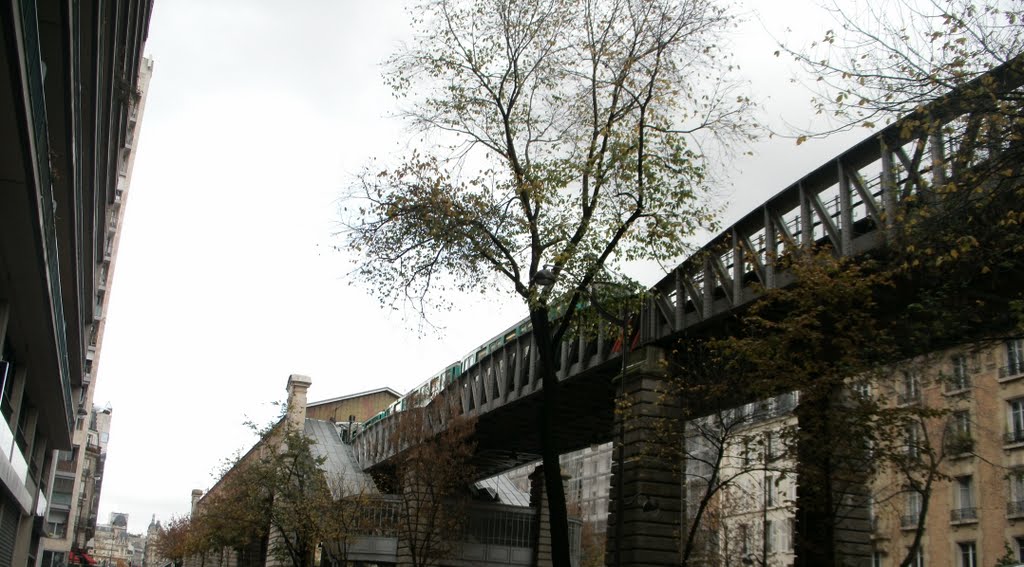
(558, 516)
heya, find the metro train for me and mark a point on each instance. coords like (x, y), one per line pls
(421, 395)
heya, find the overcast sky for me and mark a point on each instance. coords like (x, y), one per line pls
(258, 114)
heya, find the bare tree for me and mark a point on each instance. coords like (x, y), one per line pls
(432, 474)
(561, 137)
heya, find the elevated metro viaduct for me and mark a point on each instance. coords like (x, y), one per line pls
(848, 203)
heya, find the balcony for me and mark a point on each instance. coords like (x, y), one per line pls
(1015, 509)
(963, 515)
(1015, 436)
(909, 398)
(958, 384)
(960, 444)
(67, 466)
(1011, 371)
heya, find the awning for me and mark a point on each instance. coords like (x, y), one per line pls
(80, 558)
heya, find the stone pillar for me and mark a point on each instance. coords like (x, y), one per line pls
(646, 498)
(542, 525)
(295, 420)
(296, 409)
(196, 495)
(832, 524)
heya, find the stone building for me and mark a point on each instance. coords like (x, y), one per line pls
(360, 406)
(975, 511)
(503, 525)
(114, 546)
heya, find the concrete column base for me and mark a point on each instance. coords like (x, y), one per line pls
(646, 499)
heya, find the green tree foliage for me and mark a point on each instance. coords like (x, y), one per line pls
(560, 137)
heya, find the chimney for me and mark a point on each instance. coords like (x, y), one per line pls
(295, 415)
(196, 495)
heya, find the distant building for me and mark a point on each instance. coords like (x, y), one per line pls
(114, 546)
(68, 99)
(360, 406)
(151, 556)
(503, 527)
(976, 507)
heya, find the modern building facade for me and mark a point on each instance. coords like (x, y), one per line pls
(68, 85)
(78, 476)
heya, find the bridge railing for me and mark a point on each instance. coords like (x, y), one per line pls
(847, 203)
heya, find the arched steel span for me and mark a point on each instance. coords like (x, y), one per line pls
(848, 202)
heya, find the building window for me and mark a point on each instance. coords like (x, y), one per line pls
(6, 382)
(771, 491)
(1015, 416)
(1014, 359)
(876, 559)
(958, 440)
(862, 389)
(911, 388)
(968, 556)
(918, 557)
(913, 441)
(769, 536)
(961, 377)
(963, 499)
(1020, 549)
(1015, 507)
(744, 540)
(912, 510)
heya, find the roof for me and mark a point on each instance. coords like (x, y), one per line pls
(357, 395)
(344, 475)
(506, 491)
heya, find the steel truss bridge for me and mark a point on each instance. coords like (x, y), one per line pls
(849, 202)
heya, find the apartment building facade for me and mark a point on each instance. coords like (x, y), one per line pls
(67, 80)
(78, 475)
(974, 511)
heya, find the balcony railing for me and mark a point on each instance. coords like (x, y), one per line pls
(1015, 508)
(1015, 436)
(66, 466)
(908, 398)
(908, 521)
(960, 444)
(963, 514)
(1011, 371)
(958, 384)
